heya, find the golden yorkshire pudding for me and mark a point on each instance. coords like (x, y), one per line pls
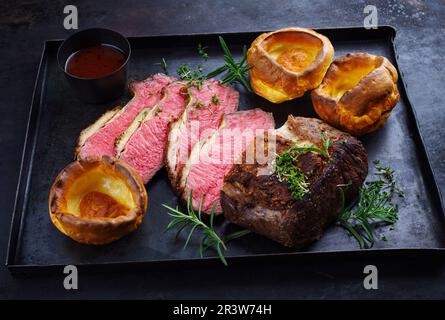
(288, 62)
(97, 201)
(358, 93)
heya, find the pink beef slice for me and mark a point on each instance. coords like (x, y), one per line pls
(145, 149)
(217, 155)
(147, 93)
(202, 117)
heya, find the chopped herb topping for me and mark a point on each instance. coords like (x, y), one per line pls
(215, 99)
(157, 110)
(286, 170)
(199, 104)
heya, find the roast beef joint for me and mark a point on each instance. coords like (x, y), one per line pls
(256, 198)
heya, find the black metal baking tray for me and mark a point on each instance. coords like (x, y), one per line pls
(56, 117)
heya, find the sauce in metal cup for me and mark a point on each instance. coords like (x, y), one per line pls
(95, 63)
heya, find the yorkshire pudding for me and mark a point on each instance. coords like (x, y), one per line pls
(288, 62)
(97, 201)
(358, 93)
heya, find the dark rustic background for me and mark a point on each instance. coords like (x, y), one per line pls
(24, 25)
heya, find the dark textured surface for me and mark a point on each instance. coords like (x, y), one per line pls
(62, 116)
(420, 41)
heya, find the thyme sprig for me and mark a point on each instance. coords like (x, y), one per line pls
(193, 221)
(164, 65)
(286, 170)
(193, 77)
(202, 51)
(375, 206)
(235, 71)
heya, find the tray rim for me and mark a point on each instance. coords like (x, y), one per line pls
(17, 270)
(31, 139)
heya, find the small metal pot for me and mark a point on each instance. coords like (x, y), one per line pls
(102, 89)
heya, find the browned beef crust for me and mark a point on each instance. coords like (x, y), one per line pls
(264, 205)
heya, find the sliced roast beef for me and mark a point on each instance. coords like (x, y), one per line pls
(99, 139)
(212, 158)
(200, 120)
(143, 144)
(253, 197)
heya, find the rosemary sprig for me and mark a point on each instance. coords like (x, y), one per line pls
(374, 207)
(164, 65)
(193, 221)
(236, 235)
(202, 51)
(236, 71)
(286, 170)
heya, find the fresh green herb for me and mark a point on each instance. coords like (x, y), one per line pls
(193, 221)
(374, 207)
(235, 71)
(383, 238)
(236, 235)
(286, 170)
(202, 51)
(184, 72)
(327, 143)
(194, 78)
(298, 150)
(215, 99)
(324, 150)
(388, 175)
(164, 65)
(199, 104)
(157, 110)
